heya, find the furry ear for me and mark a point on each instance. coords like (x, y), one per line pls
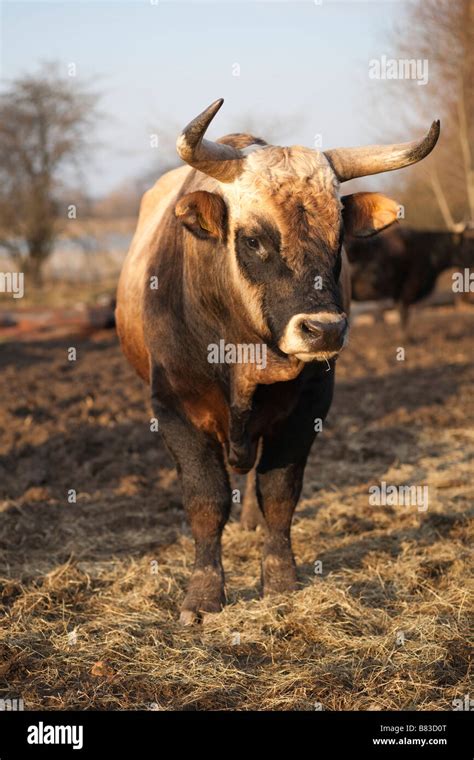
(204, 214)
(366, 214)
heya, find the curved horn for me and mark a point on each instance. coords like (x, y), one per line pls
(223, 162)
(349, 163)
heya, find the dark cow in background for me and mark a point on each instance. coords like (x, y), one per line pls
(403, 264)
(244, 248)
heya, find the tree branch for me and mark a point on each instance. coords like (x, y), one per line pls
(441, 199)
(466, 148)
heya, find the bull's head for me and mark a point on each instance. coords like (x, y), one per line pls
(280, 213)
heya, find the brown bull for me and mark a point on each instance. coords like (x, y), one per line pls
(233, 305)
(403, 264)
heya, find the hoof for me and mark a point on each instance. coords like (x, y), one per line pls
(278, 575)
(251, 518)
(205, 595)
(188, 617)
(249, 523)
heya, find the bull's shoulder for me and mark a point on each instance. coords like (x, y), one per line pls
(166, 187)
(133, 278)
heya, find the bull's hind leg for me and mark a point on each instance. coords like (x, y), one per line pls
(251, 516)
(279, 480)
(404, 312)
(207, 499)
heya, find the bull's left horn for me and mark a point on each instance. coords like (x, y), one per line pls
(223, 162)
(349, 163)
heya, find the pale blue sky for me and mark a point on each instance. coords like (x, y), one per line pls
(160, 64)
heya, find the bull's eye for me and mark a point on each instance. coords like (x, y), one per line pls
(252, 243)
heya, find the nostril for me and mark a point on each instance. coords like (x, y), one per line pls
(319, 332)
(311, 327)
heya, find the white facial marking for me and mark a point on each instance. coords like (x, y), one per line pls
(322, 316)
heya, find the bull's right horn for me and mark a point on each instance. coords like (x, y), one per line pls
(223, 162)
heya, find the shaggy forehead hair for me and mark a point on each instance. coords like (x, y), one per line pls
(295, 188)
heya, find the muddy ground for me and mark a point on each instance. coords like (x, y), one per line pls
(91, 590)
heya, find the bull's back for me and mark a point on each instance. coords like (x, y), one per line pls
(156, 204)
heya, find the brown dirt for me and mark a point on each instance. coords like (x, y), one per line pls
(91, 590)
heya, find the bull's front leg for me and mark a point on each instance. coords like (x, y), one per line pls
(278, 491)
(207, 500)
(280, 478)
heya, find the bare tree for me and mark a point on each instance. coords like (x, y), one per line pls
(45, 124)
(442, 32)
